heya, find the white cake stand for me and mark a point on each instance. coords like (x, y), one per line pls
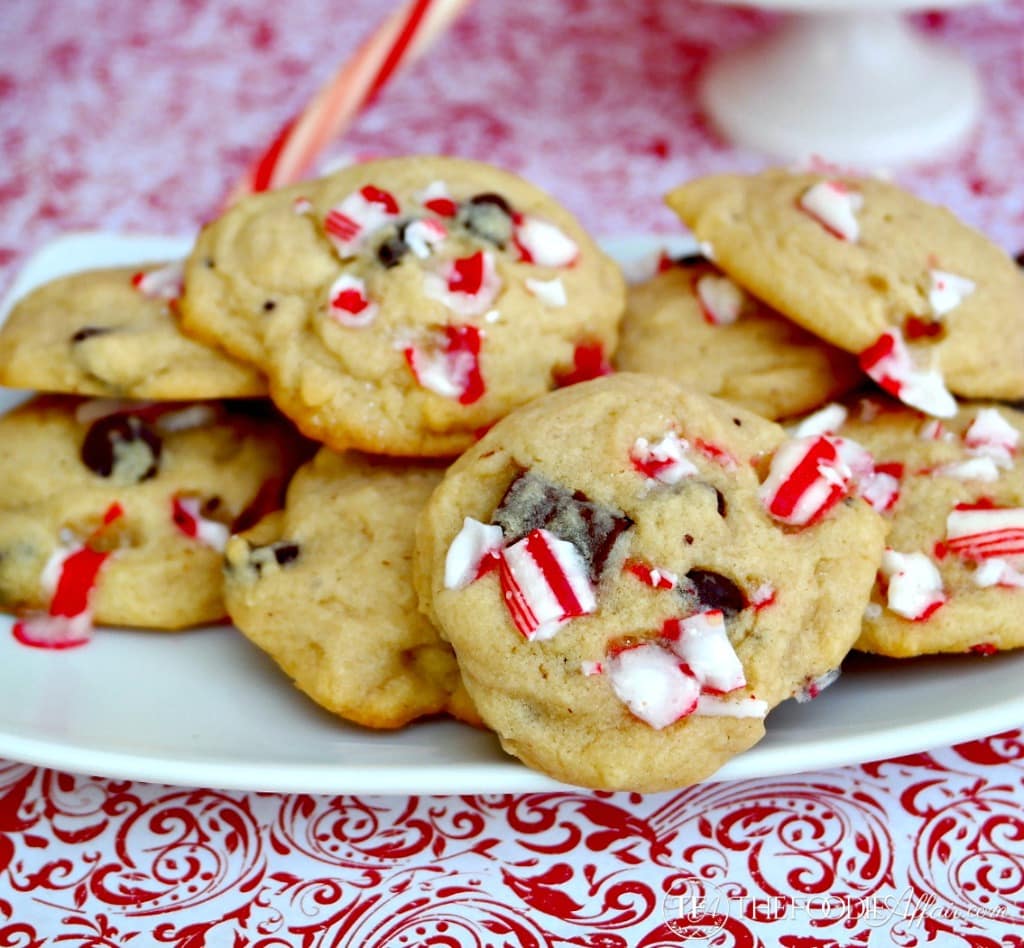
(853, 83)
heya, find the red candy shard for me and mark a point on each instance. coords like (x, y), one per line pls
(588, 362)
(984, 648)
(186, 517)
(450, 365)
(379, 196)
(807, 478)
(665, 462)
(544, 582)
(980, 532)
(652, 576)
(467, 274)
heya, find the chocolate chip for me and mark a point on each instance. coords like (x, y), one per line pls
(1019, 259)
(488, 216)
(209, 263)
(689, 260)
(737, 422)
(285, 552)
(269, 306)
(688, 539)
(282, 552)
(123, 447)
(714, 591)
(269, 497)
(532, 502)
(391, 251)
(87, 332)
(723, 507)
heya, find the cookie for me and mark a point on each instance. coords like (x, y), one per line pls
(929, 305)
(113, 333)
(121, 515)
(692, 324)
(952, 578)
(632, 574)
(401, 306)
(325, 588)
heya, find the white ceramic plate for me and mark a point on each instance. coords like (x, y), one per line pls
(206, 708)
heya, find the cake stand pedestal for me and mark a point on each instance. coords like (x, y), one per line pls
(853, 86)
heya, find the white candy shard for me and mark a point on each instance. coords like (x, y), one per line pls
(471, 545)
(348, 304)
(665, 462)
(991, 435)
(164, 283)
(981, 533)
(982, 469)
(551, 292)
(813, 687)
(827, 420)
(649, 681)
(807, 477)
(702, 642)
(422, 236)
(947, 291)
(720, 299)
(997, 572)
(186, 419)
(890, 364)
(834, 206)
(544, 244)
(915, 586)
(545, 583)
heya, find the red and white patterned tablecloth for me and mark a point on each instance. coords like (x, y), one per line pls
(137, 115)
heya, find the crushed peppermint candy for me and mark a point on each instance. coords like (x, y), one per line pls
(69, 578)
(467, 286)
(545, 583)
(746, 706)
(702, 643)
(812, 687)
(588, 362)
(186, 515)
(947, 291)
(984, 531)
(164, 283)
(889, 363)
(982, 469)
(665, 461)
(997, 572)
(542, 243)
(806, 479)
(721, 300)
(435, 197)
(881, 487)
(648, 680)
(349, 223)
(448, 363)
(833, 205)
(935, 430)
(913, 584)
(991, 435)
(763, 596)
(472, 553)
(551, 292)
(422, 236)
(348, 304)
(653, 576)
(827, 420)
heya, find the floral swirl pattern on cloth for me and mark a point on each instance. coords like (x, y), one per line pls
(824, 855)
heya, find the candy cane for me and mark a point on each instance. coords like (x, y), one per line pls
(398, 41)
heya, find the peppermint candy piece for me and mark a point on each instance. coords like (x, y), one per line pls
(665, 462)
(648, 680)
(545, 584)
(983, 532)
(653, 576)
(813, 687)
(449, 364)
(543, 244)
(348, 224)
(947, 291)
(991, 435)
(997, 572)
(914, 585)
(551, 292)
(348, 303)
(435, 197)
(806, 479)
(467, 286)
(422, 236)
(889, 363)
(721, 300)
(69, 577)
(588, 362)
(881, 488)
(833, 205)
(164, 283)
(187, 518)
(982, 469)
(703, 644)
(827, 420)
(475, 545)
(934, 430)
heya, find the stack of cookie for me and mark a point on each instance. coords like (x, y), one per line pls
(618, 573)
